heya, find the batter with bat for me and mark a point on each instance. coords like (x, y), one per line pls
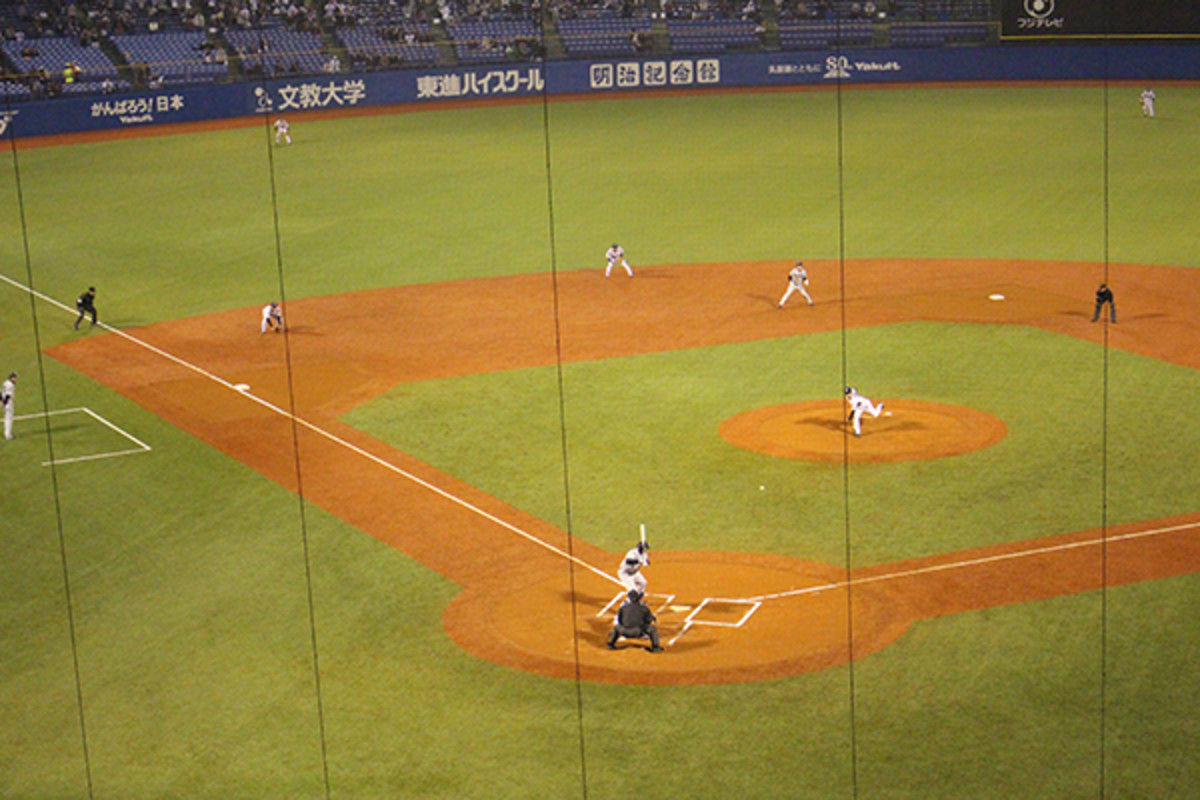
(630, 572)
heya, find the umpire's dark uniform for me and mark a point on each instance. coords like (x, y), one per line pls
(86, 304)
(635, 620)
(1105, 295)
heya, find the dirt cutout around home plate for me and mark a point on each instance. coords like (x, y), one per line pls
(907, 430)
(537, 598)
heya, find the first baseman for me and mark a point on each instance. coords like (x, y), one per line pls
(272, 317)
(616, 255)
(630, 572)
(797, 281)
(8, 398)
(860, 405)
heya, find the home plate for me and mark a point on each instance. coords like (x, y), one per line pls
(995, 297)
(887, 413)
(242, 387)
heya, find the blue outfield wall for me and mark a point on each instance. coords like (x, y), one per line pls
(1094, 62)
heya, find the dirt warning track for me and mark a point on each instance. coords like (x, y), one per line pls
(340, 356)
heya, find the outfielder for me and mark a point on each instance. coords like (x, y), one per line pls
(8, 398)
(616, 255)
(860, 405)
(281, 131)
(272, 317)
(630, 572)
(1148, 97)
(797, 281)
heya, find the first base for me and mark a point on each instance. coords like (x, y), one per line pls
(995, 297)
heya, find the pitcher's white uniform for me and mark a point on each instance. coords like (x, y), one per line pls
(797, 280)
(860, 405)
(616, 255)
(1148, 103)
(281, 131)
(630, 572)
(272, 317)
(8, 397)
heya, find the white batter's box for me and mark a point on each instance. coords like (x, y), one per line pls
(720, 612)
(657, 602)
(138, 445)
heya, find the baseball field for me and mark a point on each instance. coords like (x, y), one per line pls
(374, 556)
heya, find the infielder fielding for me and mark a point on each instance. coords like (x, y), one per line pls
(630, 572)
(272, 317)
(8, 398)
(860, 405)
(616, 255)
(797, 281)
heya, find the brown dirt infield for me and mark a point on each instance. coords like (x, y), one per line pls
(908, 430)
(333, 359)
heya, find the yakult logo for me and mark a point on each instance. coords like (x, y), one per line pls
(837, 67)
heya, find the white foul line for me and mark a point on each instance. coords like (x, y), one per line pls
(972, 562)
(321, 432)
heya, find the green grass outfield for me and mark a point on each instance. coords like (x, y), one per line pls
(158, 636)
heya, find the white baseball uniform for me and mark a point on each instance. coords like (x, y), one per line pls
(630, 572)
(860, 405)
(616, 255)
(281, 131)
(1148, 103)
(8, 397)
(272, 317)
(797, 280)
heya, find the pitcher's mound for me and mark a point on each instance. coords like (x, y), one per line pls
(908, 430)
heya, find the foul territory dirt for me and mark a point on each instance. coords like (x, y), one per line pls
(725, 616)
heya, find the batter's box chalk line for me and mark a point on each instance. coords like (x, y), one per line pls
(663, 603)
(709, 613)
(139, 445)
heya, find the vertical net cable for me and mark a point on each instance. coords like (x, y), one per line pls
(64, 560)
(562, 410)
(847, 552)
(1103, 699)
(300, 501)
